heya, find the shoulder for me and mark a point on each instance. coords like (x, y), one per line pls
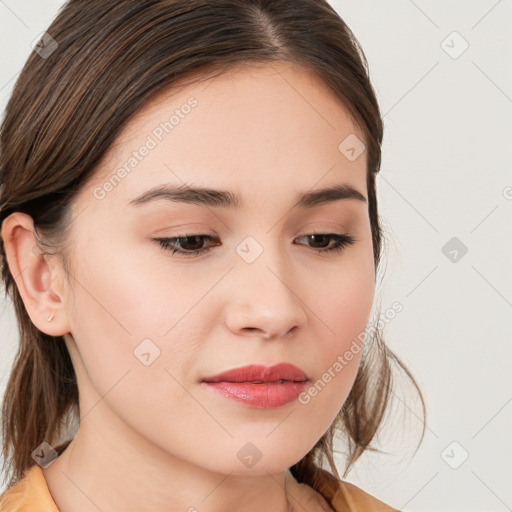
(360, 500)
(345, 496)
(30, 494)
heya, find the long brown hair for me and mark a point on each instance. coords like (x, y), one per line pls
(99, 63)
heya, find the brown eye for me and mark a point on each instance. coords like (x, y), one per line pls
(187, 245)
(324, 239)
(194, 245)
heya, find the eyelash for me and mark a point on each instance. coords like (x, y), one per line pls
(167, 243)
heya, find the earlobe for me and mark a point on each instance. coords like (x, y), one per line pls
(33, 275)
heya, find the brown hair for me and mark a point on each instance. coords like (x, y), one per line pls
(73, 98)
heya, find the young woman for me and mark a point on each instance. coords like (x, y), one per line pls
(190, 239)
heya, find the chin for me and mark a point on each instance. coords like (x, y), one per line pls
(246, 458)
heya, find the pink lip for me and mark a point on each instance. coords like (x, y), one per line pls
(252, 372)
(260, 386)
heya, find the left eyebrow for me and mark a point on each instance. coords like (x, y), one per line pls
(209, 197)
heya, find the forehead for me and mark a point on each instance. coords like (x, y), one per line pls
(260, 128)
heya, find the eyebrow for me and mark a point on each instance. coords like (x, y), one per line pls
(203, 196)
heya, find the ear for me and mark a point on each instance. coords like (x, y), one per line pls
(37, 281)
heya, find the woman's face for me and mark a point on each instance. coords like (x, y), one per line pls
(147, 325)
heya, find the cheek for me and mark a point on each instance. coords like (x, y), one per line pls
(344, 309)
(120, 313)
(132, 316)
(124, 355)
(113, 311)
(343, 302)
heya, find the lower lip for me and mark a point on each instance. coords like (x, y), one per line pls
(259, 396)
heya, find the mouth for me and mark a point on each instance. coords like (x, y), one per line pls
(281, 381)
(258, 386)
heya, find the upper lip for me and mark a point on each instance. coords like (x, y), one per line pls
(260, 373)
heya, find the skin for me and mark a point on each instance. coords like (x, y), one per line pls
(152, 437)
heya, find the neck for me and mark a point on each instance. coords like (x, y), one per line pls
(97, 472)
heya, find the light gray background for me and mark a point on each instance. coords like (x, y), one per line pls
(445, 173)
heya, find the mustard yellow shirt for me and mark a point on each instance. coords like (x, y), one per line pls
(31, 494)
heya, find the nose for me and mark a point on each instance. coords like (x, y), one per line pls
(265, 301)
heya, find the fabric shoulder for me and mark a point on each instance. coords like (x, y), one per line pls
(359, 500)
(29, 494)
(347, 497)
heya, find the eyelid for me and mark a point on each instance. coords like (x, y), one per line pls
(342, 240)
